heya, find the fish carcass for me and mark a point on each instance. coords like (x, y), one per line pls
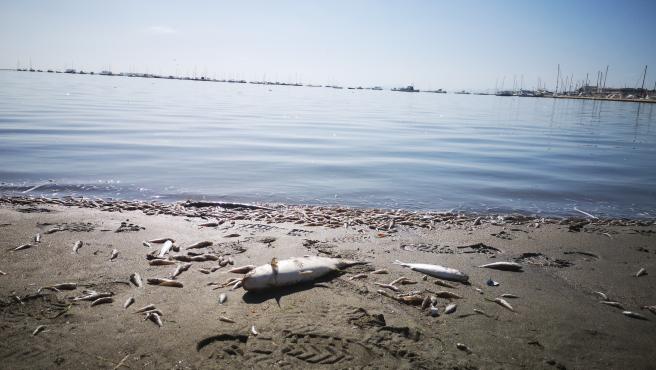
(293, 271)
(437, 271)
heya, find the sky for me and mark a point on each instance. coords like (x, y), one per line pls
(465, 44)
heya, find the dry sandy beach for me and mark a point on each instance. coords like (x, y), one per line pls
(558, 321)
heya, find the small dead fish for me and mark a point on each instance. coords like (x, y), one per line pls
(232, 236)
(204, 271)
(145, 308)
(634, 315)
(504, 266)
(225, 319)
(78, 244)
(37, 238)
(641, 272)
(38, 329)
(613, 304)
(202, 244)
(463, 347)
(508, 295)
(155, 310)
(448, 295)
(242, 269)
(491, 282)
(481, 312)
(223, 298)
(211, 257)
(651, 309)
(182, 258)
(411, 299)
(154, 317)
(24, 246)
(388, 286)
(129, 302)
(102, 300)
(113, 255)
(164, 282)
(237, 284)
(92, 296)
(444, 284)
(425, 303)
(181, 268)
(358, 276)
(480, 291)
(161, 240)
(602, 295)
(396, 281)
(451, 308)
(62, 286)
(136, 280)
(380, 272)
(502, 302)
(165, 248)
(209, 224)
(434, 311)
(254, 331)
(2, 273)
(214, 268)
(161, 262)
(146, 244)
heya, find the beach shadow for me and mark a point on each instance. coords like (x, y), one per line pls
(278, 293)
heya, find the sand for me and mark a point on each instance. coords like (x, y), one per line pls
(558, 320)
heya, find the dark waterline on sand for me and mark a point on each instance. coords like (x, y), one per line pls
(170, 140)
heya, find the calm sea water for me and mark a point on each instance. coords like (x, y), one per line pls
(139, 138)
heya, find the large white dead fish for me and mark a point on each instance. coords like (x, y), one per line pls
(293, 271)
(165, 248)
(437, 271)
(505, 266)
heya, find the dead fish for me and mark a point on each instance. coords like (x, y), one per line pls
(480, 312)
(225, 319)
(145, 308)
(651, 309)
(37, 238)
(146, 244)
(613, 304)
(508, 295)
(154, 310)
(204, 271)
(411, 299)
(491, 282)
(425, 303)
(254, 331)
(437, 271)
(502, 302)
(634, 315)
(293, 271)
(358, 276)
(102, 300)
(237, 284)
(444, 284)
(202, 244)
(388, 286)
(434, 311)
(113, 255)
(448, 295)
(602, 295)
(214, 268)
(129, 302)
(641, 272)
(222, 298)
(24, 246)
(154, 317)
(381, 272)
(480, 291)
(92, 296)
(504, 266)
(211, 257)
(62, 286)
(136, 280)
(76, 247)
(396, 281)
(181, 268)
(2, 273)
(451, 308)
(242, 269)
(182, 258)
(38, 329)
(165, 248)
(161, 262)
(463, 347)
(209, 224)
(161, 240)
(164, 282)
(232, 236)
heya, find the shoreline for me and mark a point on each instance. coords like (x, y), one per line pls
(345, 320)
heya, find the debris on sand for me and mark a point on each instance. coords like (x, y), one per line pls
(113, 255)
(641, 272)
(38, 329)
(225, 319)
(164, 282)
(78, 244)
(136, 280)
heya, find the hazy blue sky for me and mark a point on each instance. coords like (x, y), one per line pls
(456, 44)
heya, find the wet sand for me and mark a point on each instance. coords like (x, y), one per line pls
(558, 320)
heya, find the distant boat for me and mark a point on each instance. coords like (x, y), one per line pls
(70, 70)
(463, 92)
(409, 88)
(438, 91)
(504, 93)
